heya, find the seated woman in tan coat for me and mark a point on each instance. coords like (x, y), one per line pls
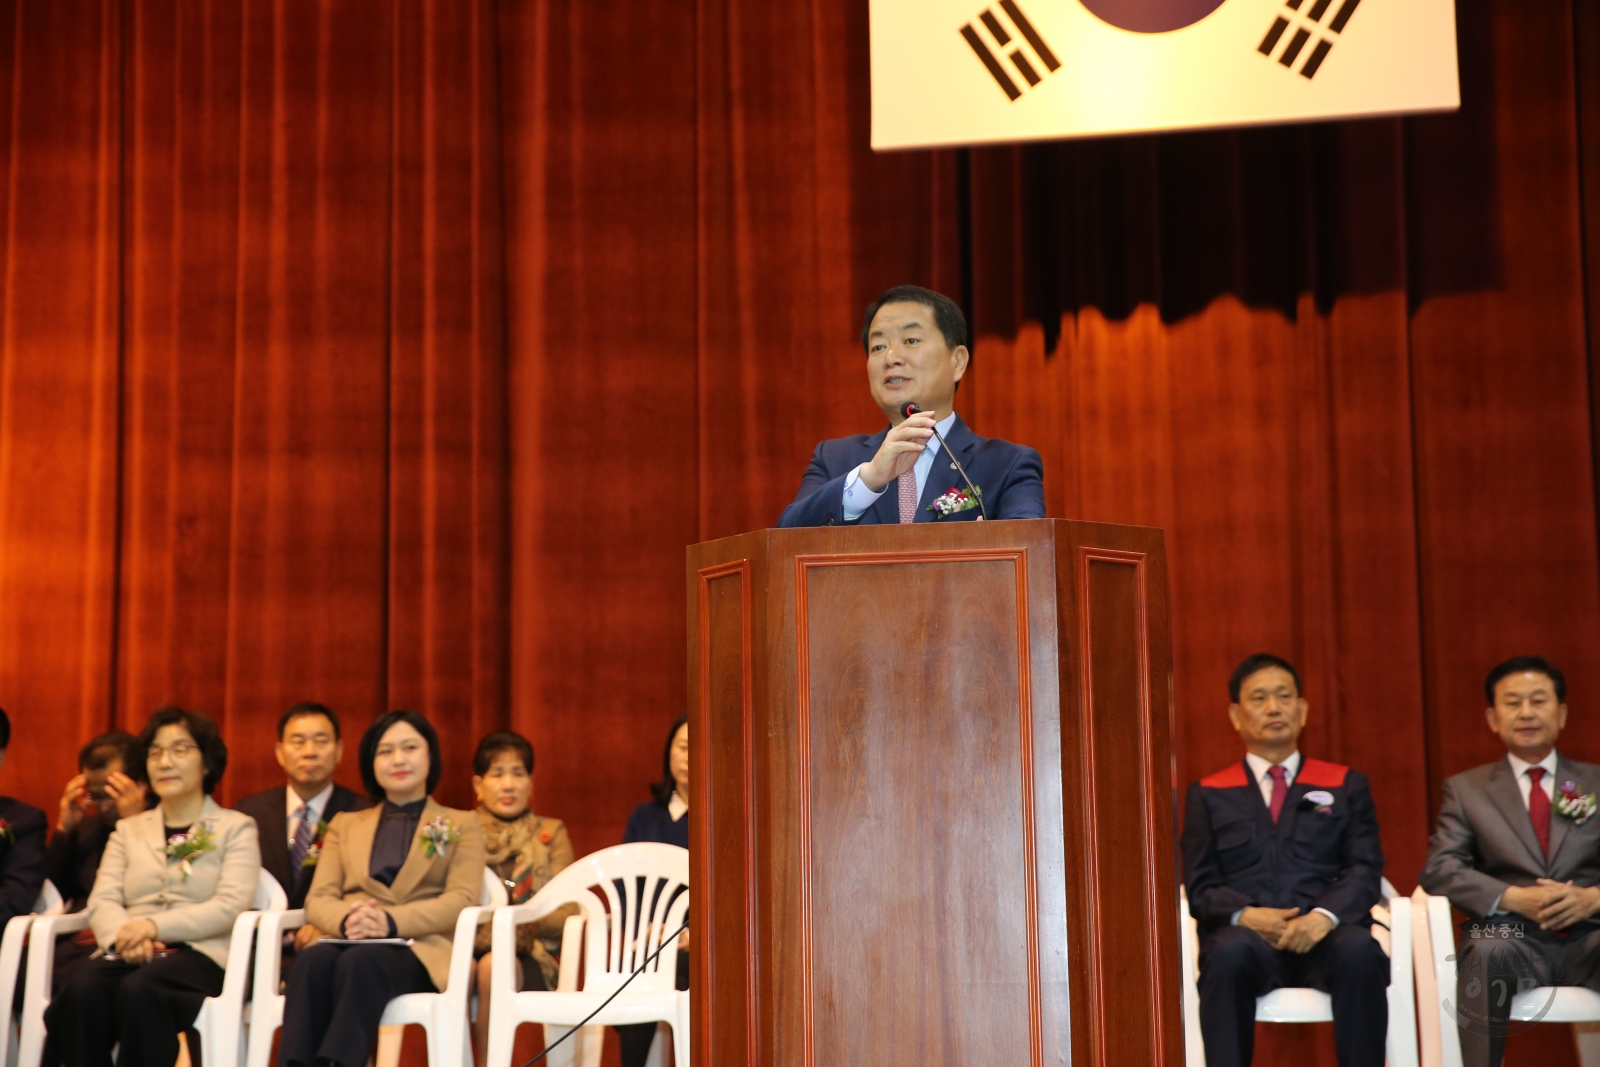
(172, 880)
(404, 869)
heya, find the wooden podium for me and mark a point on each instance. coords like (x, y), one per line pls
(933, 797)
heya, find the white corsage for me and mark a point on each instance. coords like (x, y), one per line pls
(1321, 799)
(186, 847)
(439, 835)
(1573, 804)
(956, 500)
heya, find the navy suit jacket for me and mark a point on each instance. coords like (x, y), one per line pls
(21, 858)
(1234, 856)
(1011, 477)
(268, 808)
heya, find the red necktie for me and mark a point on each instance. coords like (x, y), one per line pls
(908, 496)
(1539, 809)
(1280, 789)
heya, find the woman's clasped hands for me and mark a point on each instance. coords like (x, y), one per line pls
(366, 921)
(136, 941)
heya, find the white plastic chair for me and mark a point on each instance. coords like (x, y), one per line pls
(620, 932)
(12, 947)
(1546, 1004)
(442, 1015)
(221, 1019)
(223, 1022)
(1295, 1004)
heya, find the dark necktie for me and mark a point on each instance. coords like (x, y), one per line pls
(1280, 789)
(304, 834)
(908, 496)
(1539, 809)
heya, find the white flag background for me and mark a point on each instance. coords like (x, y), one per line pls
(971, 71)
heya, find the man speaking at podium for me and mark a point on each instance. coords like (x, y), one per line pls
(926, 466)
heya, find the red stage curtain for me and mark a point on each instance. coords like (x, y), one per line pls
(390, 353)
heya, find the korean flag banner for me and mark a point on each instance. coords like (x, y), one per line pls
(973, 71)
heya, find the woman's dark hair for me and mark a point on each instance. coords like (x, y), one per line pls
(114, 744)
(662, 790)
(496, 743)
(213, 753)
(374, 734)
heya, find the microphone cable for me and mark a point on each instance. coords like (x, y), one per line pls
(648, 961)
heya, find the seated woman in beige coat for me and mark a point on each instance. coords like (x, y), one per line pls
(404, 869)
(172, 880)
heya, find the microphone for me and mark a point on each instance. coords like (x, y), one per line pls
(909, 409)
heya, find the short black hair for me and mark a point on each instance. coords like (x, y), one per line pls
(213, 753)
(662, 790)
(496, 743)
(947, 316)
(113, 744)
(5, 730)
(374, 734)
(1259, 661)
(308, 707)
(1524, 664)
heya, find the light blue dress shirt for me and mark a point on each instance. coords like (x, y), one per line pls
(858, 498)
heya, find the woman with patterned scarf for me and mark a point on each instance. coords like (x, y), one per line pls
(525, 851)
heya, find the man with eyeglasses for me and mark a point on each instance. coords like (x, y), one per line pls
(292, 817)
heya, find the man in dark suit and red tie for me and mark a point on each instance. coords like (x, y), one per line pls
(1517, 849)
(916, 347)
(1282, 865)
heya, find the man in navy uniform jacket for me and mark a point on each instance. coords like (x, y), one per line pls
(21, 846)
(1282, 866)
(916, 348)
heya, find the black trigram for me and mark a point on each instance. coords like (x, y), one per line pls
(1303, 33)
(1002, 38)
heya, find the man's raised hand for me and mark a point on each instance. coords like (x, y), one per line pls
(127, 794)
(899, 451)
(71, 812)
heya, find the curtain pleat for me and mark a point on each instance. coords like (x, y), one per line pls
(390, 353)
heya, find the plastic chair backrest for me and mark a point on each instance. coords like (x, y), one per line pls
(269, 894)
(494, 891)
(632, 896)
(49, 902)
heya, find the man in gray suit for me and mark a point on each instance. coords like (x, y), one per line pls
(1518, 850)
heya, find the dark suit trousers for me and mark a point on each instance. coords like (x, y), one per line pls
(142, 1007)
(1492, 969)
(336, 996)
(1237, 966)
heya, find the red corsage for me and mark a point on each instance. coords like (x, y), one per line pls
(545, 837)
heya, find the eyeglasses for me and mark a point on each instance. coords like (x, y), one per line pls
(181, 750)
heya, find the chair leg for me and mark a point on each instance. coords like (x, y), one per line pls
(1586, 1036)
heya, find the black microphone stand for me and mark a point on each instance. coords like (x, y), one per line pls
(911, 409)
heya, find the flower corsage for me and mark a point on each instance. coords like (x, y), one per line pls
(185, 847)
(314, 853)
(7, 835)
(439, 835)
(956, 500)
(1573, 804)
